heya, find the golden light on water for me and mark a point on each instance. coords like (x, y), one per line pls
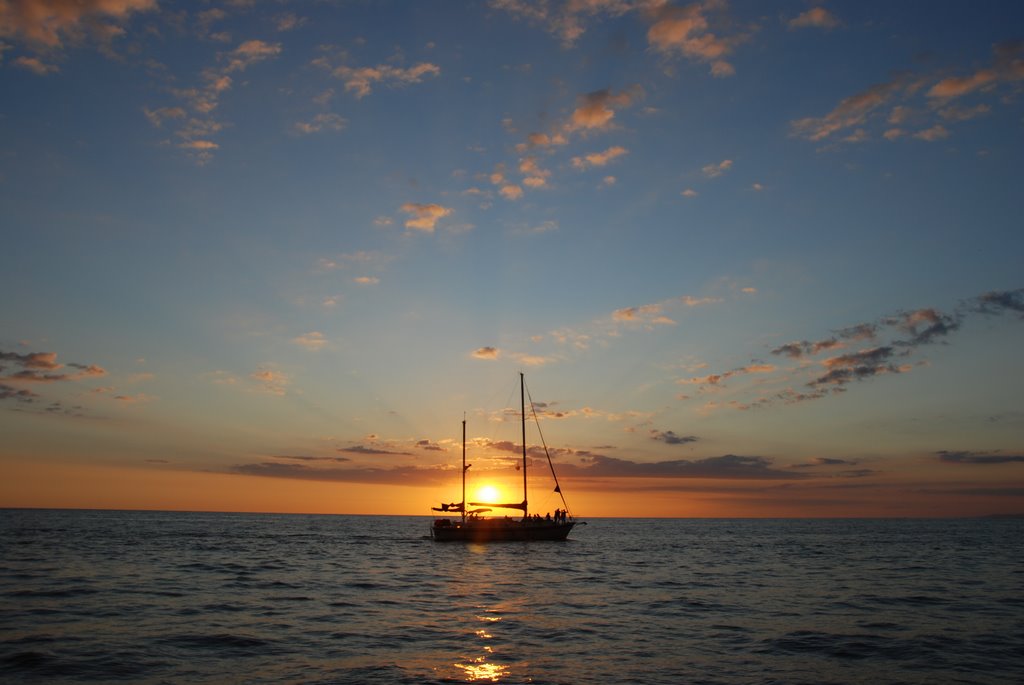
(481, 670)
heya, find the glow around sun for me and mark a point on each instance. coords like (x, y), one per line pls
(487, 493)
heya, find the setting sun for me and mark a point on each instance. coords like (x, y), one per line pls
(488, 493)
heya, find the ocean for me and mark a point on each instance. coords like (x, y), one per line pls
(167, 597)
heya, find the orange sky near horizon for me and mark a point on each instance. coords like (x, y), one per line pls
(84, 486)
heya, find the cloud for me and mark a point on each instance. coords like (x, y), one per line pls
(729, 466)
(796, 350)
(48, 22)
(956, 114)
(366, 280)
(685, 31)
(936, 132)
(986, 458)
(857, 111)
(373, 451)
(717, 378)
(824, 461)
(37, 367)
(997, 302)
(272, 382)
(157, 116)
(313, 341)
(8, 392)
(248, 53)
(670, 438)
(924, 326)
(716, 170)
(648, 314)
(361, 80)
(689, 192)
(139, 398)
(400, 475)
(599, 159)
(36, 65)
(486, 353)
(857, 366)
(326, 121)
(511, 191)
(596, 110)
(563, 19)
(816, 17)
(424, 216)
(850, 112)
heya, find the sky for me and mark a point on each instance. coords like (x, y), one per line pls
(754, 259)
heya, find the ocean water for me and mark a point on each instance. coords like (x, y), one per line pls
(152, 597)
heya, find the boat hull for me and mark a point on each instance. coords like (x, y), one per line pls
(498, 530)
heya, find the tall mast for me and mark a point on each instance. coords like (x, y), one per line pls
(463, 470)
(522, 407)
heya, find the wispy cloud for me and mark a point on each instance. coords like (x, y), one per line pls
(896, 339)
(313, 341)
(196, 125)
(325, 121)
(815, 17)
(985, 458)
(360, 81)
(892, 108)
(271, 381)
(671, 438)
(716, 170)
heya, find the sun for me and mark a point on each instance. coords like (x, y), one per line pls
(487, 493)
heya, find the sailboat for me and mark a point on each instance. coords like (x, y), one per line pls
(472, 526)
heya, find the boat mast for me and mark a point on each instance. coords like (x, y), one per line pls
(463, 470)
(522, 407)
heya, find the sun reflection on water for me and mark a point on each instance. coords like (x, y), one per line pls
(479, 669)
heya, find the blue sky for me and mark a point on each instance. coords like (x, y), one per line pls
(754, 259)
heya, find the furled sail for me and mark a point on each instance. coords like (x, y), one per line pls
(453, 506)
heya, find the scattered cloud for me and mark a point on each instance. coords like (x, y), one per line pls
(596, 110)
(904, 333)
(511, 191)
(936, 132)
(424, 217)
(36, 65)
(326, 121)
(271, 381)
(599, 159)
(686, 31)
(816, 17)
(716, 170)
(671, 438)
(689, 192)
(360, 81)
(313, 341)
(366, 280)
(908, 98)
(48, 23)
(486, 353)
(985, 458)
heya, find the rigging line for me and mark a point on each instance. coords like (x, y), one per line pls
(558, 488)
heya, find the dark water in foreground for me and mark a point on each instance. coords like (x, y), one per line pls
(147, 597)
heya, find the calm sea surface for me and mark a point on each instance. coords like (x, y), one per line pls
(145, 597)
